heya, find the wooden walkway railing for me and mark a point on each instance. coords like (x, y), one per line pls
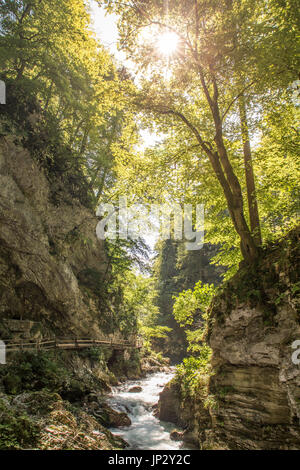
(62, 343)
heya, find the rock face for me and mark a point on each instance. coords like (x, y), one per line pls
(176, 435)
(136, 389)
(189, 414)
(151, 365)
(179, 270)
(256, 383)
(52, 265)
(43, 420)
(169, 404)
(112, 418)
(253, 396)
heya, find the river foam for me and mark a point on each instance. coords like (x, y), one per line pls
(146, 432)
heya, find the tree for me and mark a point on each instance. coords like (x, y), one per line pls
(48, 51)
(139, 298)
(176, 269)
(68, 104)
(202, 93)
(188, 306)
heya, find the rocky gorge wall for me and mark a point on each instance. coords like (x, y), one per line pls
(179, 269)
(52, 266)
(54, 279)
(252, 400)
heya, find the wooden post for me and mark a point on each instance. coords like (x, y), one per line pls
(55, 347)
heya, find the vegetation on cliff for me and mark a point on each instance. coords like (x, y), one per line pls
(56, 401)
(240, 389)
(222, 105)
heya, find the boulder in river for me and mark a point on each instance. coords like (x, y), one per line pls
(169, 403)
(112, 418)
(155, 410)
(135, 389)
(176, 435)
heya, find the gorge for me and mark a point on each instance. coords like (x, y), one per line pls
(135, 339)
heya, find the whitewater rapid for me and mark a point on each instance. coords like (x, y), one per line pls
(146, 431)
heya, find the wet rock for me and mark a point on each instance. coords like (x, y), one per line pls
(135, 389)
(83, 432)
(169, 403)
(176, 435)
(92, 398)
(155, 410)
(151, 364)
(111, 418)
(94, 406)
(42, 420)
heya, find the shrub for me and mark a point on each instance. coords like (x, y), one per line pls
(194, 372)
(17, 431)
(94, 354)
(33, 371)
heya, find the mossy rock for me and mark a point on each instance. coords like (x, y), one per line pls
(75, 391)
(111, 418)
(38, 403)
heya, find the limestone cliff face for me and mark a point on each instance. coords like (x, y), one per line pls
(256, 383)
(253, 397)
(52, 265)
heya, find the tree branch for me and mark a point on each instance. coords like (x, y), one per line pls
(237, 97)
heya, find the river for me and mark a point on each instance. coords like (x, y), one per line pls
(146, 431)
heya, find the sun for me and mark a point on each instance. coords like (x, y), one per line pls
(167, 43)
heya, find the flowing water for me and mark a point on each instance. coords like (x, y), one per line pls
(146, 431)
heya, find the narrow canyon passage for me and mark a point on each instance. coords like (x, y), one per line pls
(146, 431)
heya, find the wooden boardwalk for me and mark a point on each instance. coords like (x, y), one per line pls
(71, 344)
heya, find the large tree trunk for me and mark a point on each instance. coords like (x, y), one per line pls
(226, 177)
(231, 185)
(250, 181)
(234, 198)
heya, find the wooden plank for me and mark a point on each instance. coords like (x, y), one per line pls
(64, 343)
